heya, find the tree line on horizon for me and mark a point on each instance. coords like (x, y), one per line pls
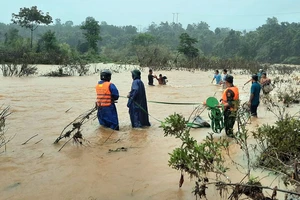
(92, 41)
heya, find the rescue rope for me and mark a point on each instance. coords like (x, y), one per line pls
(146, 111)
(160, 102)
(172, 103)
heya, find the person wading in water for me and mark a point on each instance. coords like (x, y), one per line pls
(230, 100)
(107, 95)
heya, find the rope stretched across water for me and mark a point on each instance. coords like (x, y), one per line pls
(160, 102)
(172, 103)
(216, 114)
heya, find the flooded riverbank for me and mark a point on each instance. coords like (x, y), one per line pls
(39, 105)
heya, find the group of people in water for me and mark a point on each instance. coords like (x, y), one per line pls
(107, 95)
(230, 97)
(162, 80)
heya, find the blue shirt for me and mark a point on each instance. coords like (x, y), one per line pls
(224, 77)
(255, 90)
(218, 78)
(259, 74)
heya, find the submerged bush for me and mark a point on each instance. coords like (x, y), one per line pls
(18, 70)
(4, 113)
(279, 143)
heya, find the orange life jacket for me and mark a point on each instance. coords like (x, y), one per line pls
(235, 94)
(103, 94)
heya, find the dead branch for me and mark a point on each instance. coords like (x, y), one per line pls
(38, 141)
(68, 110)
(233, 194)
(262, 187)
(108, 136)
(7, 141)
(30, 139)
(76, 123)
(64, 144)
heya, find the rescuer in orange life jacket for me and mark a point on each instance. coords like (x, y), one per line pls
(107, 94)
(230, 100)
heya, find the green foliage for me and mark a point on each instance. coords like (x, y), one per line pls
(194, 158)
(280, 147)
(30, 18)
(12, 37)
(174, 125)
(143, 39)
(154, 56)
(289, 95)
(186, 46)
(279, 143)
(48, 42)
(205, 37)
(91, 29)
(231, 45)
(158, 46)
(292, 60)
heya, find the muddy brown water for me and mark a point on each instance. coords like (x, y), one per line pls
(39, 171)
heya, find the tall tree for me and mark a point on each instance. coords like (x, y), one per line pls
(31, 18)
(91, 29)
(186, 46)
(232, 44)
(48, 42)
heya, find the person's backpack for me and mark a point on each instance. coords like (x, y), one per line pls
(267, 88)
(165, 79)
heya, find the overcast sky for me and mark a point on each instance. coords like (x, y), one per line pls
(235, 14)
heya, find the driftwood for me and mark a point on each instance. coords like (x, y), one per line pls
(38, 141)
(118, 149)
(76, 128)
(30, 139)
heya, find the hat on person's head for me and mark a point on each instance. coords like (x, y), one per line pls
(255, 77)
(136, 73)
(105, 75)
(229, 79)
(260, 70)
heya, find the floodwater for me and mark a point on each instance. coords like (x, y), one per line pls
(37, 170)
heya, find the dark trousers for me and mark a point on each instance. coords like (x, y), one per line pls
(229, 120)
(253, 109)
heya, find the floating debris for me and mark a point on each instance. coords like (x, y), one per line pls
(76, 126)
(118, 149)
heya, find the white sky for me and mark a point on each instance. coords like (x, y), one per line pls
(235, 14)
